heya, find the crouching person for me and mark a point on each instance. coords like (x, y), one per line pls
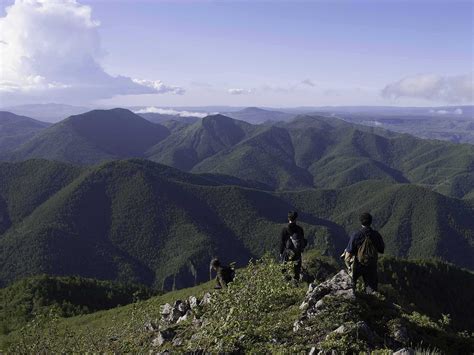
(224, 274)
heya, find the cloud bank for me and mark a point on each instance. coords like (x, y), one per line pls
(433, 87)
(50, 50)
(169, 111)
(239, 91)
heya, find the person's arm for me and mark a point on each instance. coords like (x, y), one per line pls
(350, 249)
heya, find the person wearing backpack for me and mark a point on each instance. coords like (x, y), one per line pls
(364, 247)
(225, 274)
(292, 244)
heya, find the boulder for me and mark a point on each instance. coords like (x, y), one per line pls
(162, 337)
(193, 302)
(184, 317)
(205, 299)
(166, 309)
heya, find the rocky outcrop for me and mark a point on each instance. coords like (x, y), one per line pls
(340, 285)
(180, 311)
(341, 289)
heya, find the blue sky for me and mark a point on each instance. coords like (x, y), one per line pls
(276, 53)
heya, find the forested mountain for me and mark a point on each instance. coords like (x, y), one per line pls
(314, 151)
(187, 147)
(93, 137)
(135, 220)
(310, 151)
(15, 130)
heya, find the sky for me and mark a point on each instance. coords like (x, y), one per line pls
(238, 53)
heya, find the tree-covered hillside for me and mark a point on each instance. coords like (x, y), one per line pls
(93, 137)
(30, 297)
(139, 221)
(309, 151)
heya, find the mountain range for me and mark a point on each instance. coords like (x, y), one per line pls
(72, 202)
(309, 151)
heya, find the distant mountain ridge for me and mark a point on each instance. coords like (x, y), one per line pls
(257, 115)
(309, 151)
(15, 130)
(92, 137)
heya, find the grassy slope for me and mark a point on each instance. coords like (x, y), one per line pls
(415, 294)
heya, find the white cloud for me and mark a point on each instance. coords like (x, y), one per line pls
(239, 91)
(433, 87)
(50, 49)
(169, 111)
(457, 111)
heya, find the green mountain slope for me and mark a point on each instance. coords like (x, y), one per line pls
(15, 130)
(266, 157)
(187, 147)
(93, 137)
(309, 151)
(320, 151)
(138, 221)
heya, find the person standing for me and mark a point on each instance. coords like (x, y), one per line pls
(363, 248)
(292, 244)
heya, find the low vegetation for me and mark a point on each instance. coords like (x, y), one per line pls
(257, 312)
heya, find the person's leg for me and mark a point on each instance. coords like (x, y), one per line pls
(297, 269)
(356, 273)
(370, 278)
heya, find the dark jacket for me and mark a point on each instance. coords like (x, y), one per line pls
(224, 275)
(358, 237)
(287, 232)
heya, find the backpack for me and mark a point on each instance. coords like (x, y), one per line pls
(298, 242)
(367, 252)
(228, 273)
(295, 246)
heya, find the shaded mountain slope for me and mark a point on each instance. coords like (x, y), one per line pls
(15, 130)
(93, 137)
(139, 221)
